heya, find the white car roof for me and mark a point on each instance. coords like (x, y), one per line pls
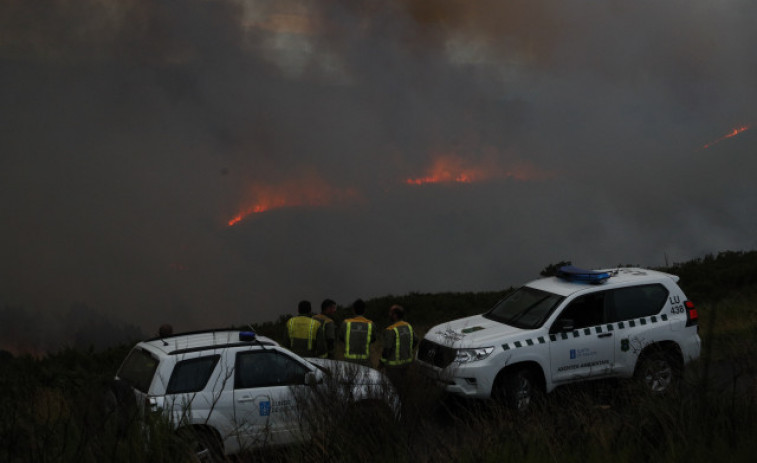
(204, 340)
(618, 277)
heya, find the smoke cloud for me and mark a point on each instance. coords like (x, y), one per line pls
(134, 132)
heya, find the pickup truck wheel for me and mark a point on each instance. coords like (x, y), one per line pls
(204, 444)
(658, 371)
(518, 389)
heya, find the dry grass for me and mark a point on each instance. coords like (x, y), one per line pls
(50, 411)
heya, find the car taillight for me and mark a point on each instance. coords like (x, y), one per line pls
(692, 317)
(151, 404)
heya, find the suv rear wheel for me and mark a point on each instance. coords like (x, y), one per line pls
(204, 444)
(658, 371)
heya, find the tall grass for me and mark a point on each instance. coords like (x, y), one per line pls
(51, 410)
(54, 410)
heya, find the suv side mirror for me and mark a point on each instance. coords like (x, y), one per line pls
(312, 378)
(563, 325)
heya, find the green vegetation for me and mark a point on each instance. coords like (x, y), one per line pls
(52, 408)
(716, 277)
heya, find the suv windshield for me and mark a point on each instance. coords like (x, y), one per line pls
(526, 308)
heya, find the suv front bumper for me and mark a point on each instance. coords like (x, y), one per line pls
(469, 380)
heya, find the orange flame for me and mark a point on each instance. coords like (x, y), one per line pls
(730, 134)
(311, 191)
(450, 168)
(453, 169)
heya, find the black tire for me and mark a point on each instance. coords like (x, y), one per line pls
(658, 372)
(517, 389)
(204, 444)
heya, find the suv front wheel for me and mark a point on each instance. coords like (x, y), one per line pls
(518, 389)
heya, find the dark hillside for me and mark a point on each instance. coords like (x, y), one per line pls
(714, 277)
(705, 281)
(426, 310)
(422, 310)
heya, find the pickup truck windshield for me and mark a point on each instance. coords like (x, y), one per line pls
(527, 308)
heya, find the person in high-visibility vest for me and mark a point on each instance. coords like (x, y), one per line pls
(302, 335)
(328, 329)
(399, 340)
(357, 333)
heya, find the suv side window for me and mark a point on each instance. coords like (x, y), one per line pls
(583, 311)
(267, 368)
(638, 301)
(191, 375)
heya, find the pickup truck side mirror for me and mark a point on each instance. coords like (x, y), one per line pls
(312, 378)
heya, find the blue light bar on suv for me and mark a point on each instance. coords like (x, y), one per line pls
(571, 273)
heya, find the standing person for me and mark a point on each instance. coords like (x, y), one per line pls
(302, 331)
(357, 333)
(399, 341)
(328, 328)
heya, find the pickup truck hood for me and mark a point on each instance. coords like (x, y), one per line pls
(350, 372)
(358, 382)
(475, 331)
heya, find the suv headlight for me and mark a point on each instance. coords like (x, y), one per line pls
(473, 355)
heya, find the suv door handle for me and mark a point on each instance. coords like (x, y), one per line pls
(245, 398)
(604, 335)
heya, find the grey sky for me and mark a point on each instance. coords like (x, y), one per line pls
(132, 132)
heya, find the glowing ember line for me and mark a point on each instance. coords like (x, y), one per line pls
(256, 209)
(236, 220)
(462, 178)
(451, 169)
(305, 192)
(730, 134)
(454, 169)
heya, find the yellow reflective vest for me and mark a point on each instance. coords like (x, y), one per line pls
(357, 333)
(399, 340)
(302, 332)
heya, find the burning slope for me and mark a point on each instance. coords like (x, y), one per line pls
(730, 134)
(311, 191)
(450, 168)
(455, 169)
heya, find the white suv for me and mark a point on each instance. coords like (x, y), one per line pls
(232, 390)
(577, 326)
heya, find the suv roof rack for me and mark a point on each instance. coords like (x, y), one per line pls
(200, 331)
(188, 350)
